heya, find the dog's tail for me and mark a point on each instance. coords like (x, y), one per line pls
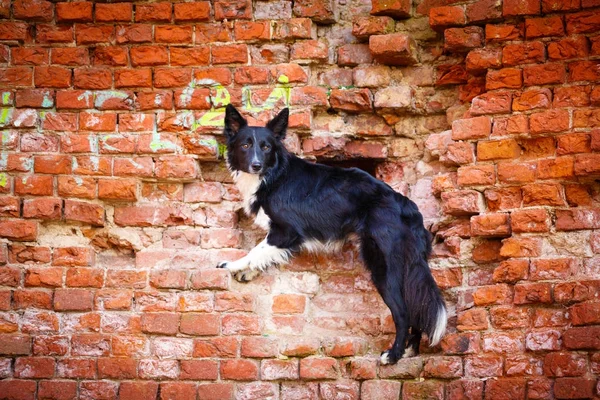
(425, 305)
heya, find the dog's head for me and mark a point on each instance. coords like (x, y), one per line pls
(253, 149)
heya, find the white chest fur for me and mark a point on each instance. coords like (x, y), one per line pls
(247, 185)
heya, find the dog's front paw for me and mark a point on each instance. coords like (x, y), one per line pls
(222, 264)
(246, 275)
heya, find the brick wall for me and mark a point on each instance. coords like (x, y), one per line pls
(116, 204)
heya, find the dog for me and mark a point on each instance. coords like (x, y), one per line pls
(310, 206)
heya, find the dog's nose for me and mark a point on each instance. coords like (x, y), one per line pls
(256, 166)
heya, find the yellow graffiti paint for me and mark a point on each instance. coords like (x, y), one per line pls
(221, 98)
(3, 179)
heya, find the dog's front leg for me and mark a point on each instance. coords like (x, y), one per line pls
(260, 257)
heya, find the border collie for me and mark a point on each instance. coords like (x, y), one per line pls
(311, 206)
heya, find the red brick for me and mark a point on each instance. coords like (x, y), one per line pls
(560, 167)
(133, 78)
(525, 53)
(32, 299)
(80, 11)
(491, 103)
(472, 128)
(160, 323)
(476, 175)
(479, 60)
(529, 221)
(464, 202)
(173, 34)
(484, 11)
(545, 74)
(155, 12)
(114, 12)
(200, 324)
(532, 99)
(463, 39)
(510, 318)
(48, 277)
(23, 231)
(318, 368)
(57, 390)
(578, 195)
(540, 27)
(94, 34)
(288, 304)
(58, 77)
(473, 319)
(488, 295)
(239, 370)
(560, 268)
(85, 277)
(490, 225)
(393, 49)
(233, 9)
(215, 391)
(230, 54)
(585, 314)
(572, 96)
(582, 22)
(363, 27)
(84, 212)
(549, 6)
(551, 121)
(134, 390)
(148, 56)
(529, 293)
(46, 33)
(29, 56)
(188, 12)
(574, 388)
(72, 256)
(483, 366)
(34, 367)
(505, 388)
(377, 389)
(520, 247)
(500, 33)
(73, 300)
(461, 343)
(117, 368)
(18, 389)
(517, 7)
(240, 324)
(199, 369)
(34, 9)
(584, 71)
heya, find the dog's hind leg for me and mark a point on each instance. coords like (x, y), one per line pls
(388, 282)
(412, 343)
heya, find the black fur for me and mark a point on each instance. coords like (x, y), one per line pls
(307, 201)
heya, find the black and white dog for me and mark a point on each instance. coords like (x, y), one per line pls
(311, 206)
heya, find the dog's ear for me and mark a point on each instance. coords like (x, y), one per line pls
(279, 124)
(234, 121)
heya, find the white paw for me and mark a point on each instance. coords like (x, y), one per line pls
(246, 275)
(384, 359)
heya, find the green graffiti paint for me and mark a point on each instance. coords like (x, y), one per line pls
(6, 98)
(3, 179)
(5, 115)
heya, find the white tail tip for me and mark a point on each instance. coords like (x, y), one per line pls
(440, 326)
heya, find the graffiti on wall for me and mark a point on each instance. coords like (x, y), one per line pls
(218, 98)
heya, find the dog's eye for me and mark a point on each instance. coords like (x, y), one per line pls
(245, 146)
(266, 147)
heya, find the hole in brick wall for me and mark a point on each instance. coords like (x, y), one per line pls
(369, 165)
